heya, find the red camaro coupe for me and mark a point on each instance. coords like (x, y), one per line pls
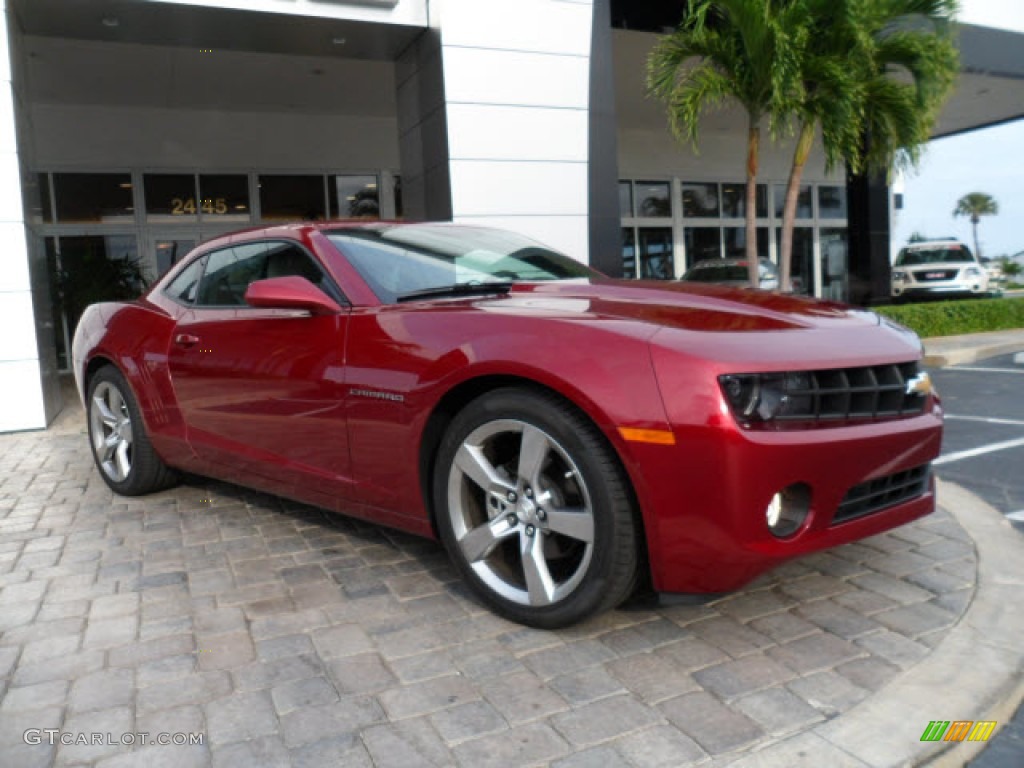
(565, 435)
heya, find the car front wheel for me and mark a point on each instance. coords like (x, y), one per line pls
(124, 456)
(535, 510)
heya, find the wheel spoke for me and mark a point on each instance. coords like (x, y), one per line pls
(535, 568)
(481, 541)
(532, 452)
(110, 444)
(126, 431)
(123, 465)
(108, 418)
(116, 403)
(575, 523)
(472, 462)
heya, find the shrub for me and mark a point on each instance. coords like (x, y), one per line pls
(949, 318)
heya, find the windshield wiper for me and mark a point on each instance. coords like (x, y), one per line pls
(458, 289)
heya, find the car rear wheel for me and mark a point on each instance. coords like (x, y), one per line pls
(124, 456)
(535, 510)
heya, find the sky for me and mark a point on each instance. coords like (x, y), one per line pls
(989, 160)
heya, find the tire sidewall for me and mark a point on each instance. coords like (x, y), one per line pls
(580, 441)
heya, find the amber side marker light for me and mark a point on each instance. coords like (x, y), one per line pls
(655, 436)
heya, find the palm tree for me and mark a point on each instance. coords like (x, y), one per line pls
(873, 74)
(727, 50)
(975, 205)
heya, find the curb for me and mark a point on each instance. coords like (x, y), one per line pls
(966, 354)
(976, 672)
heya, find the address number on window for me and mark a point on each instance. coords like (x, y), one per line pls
(186, 206)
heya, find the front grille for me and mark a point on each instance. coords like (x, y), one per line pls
(871, 392)
(927, 276)
(876, 495)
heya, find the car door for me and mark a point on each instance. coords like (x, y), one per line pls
(261, 391)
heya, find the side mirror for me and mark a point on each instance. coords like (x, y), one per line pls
(292, 292)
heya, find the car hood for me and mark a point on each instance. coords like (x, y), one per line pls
(686, 306)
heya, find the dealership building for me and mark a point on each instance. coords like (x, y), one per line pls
(131, 130)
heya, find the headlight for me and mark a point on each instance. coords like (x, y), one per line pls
(899, 275)
(972, 272)
(767, 396)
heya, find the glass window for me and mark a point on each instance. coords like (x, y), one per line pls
(170, 197)
(831, 202)
(702, 243)
(834, 246)
(629, 253)
(94, 197)
(700, 200)
(802, 261)
(657, 260)
(734, 201)
(183, 287)
(169, 250)
(653, 199)
(625, 199)
(37, 199)
(229, 272)
(224, 197)
(288, 259)
(353, 197)
(736, 242)
(291, 198)
(803, 201)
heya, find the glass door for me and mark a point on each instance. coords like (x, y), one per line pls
(167, 249)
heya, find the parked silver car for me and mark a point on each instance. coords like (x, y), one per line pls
(938, 268)
(732, 272)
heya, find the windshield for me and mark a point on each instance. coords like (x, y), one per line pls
(396, 261)
(943, 254)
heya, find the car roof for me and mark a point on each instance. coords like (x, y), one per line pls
(728, 262)
(298, 230)
(926, 245)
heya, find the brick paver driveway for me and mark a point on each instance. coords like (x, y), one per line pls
(286, 636)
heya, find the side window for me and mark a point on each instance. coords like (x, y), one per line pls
(185, 286)
(229, 272)
(287, 260)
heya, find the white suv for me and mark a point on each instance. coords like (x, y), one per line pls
(938, 268)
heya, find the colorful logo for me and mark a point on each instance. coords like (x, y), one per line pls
(958, 730)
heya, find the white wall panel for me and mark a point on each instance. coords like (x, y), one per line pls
(11, 206)
(488, 132)
(541, 26)
(482, 188)
(567, 234)
(14, 274)
(21, 406)
(478, 76)
(18, 341)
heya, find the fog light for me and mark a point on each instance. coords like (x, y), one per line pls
(788, 509)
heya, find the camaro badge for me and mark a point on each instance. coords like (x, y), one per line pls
(920, 385)
(377, 395)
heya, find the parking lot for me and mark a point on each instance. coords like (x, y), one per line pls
(285, 636)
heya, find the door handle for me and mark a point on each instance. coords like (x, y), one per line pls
(186, 340)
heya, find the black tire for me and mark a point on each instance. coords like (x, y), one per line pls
(577, 476)
(117, 437)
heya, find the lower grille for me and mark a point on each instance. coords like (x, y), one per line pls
(876, 495)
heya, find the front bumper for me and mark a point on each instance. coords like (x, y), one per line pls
(705, 506)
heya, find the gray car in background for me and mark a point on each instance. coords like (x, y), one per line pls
(732, 272)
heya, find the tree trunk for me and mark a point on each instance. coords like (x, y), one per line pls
(800, 155)
(753, 146)
(974, 227)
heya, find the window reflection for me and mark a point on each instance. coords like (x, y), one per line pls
(170, 197)
(629, 253)
(354, 197)
(224, 197)
(626, 199)
(831, 202)
(834, 247)
(292, 198)
(803, 201)
(653, 199)
(802, 261)
(736, 242)
(656, 256)
(700, 200)
(734, 201)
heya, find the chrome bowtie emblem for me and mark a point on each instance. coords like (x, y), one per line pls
(919, 385)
